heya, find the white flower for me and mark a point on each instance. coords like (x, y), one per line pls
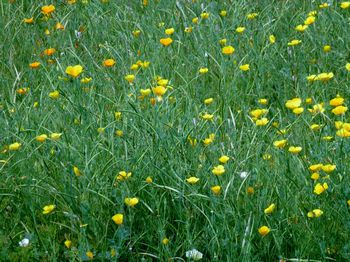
(194, 254)
(24, 242)
(243, 175)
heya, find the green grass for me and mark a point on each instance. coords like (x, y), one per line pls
(155, 140)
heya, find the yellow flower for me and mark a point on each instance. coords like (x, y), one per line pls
(224, 159)
(218, 170)
(244, 67)
(264, 230)
(315, 176)
(166, 41)
(329, 168)
(258, 112)
(192, 180)
(208, 101)
(188, 29)
(315, 213)
(250, 190)
(228, 50)
(205, 15)
(301, 28)
(119, 133)
(318, 108)
(195, 20)
(263, 101)
(131, 201)
(270, 209)
(54, 94)
(35, 65)
(203, 70)
(262, 122)
(90, 255)
(55, 136)
(117, 115)
(324, 77)
(159, 91)
(338, 101)
(223, 13)
(345, 5)
(315, 127)
(122, 175)
(240, 29)
(294, 42)
(319, 188)
(15, 146)
(280, 143)
(130, 78)
(252, 16)
(272, 39)
(169, 31)
(28, 20)
(343, 133)
(339, 110)
(165, 241)
(149, 180)
(41, 138)
(293, 103)
(86, 80)
(315, 167)
(49, 51)
(209, 139)
(47, 9)
(327, 48)
(295, 149)
(324, 5)
(136, 33)
(48, 209)
(216, 190)
(109, 62)
(207, 116)
(74, 71)
(76, 171)
(298, 110)
(118, 219)
(310, 20)
(68, 243)
(59, 26)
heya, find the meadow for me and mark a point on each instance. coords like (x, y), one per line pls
(161, 130)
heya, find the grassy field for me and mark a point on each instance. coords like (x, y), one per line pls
(174, 130)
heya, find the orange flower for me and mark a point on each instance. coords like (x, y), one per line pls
(166, 41)
(109, 63)
(47, 9)
(34, 65)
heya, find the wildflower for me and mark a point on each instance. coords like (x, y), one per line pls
(41, 138)
(203, 70)
(76, 171)
(337, 101)
(117, 115)
(48, 209)
(294, 42)
(295, 149)
(244, 67)
(216, 190)
(298, 110)
(327, 48)
(272, 39)
(267, 156)
(223, 13)
(195, 20)
(301, 28)
(188, 29)
(74, 71)
(169, 31)
(192, 180)
(324, 5)
(218, 170)
(205, 15)
(228, 50)
(165, 241)
(315, 176)
(329, 168)
(318, 108)
(122, 175)
(131, 201)
(194, 255)
(264, 230)
(15, 146)
(315, 127)
(119, 133)
(343, 133)
(47, 9)
(324, 77)
(130, 78)
(262, 122)
(68, 243)
(109, 62)
(54, 94)
(24, 242)
(136, 33)
(243, 174)
(224, 159)
(250, 190)
(208, 101)
(159, 91)
(310, 20)
(280, 143)
(345, 5)
(263, 101)
(293, 103)
(240, 29)
(90, 255)
(315, 213)
(209, 139)
(34, 65)
(315, 167)
(59, 26)
(270, 209)
(49, 51)
(118, 219)
(252, 16)
(258, 112)
(28, 20)
(339, 110)
(149, 180)
(223, 41)
(166, 41)
(320, 188)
